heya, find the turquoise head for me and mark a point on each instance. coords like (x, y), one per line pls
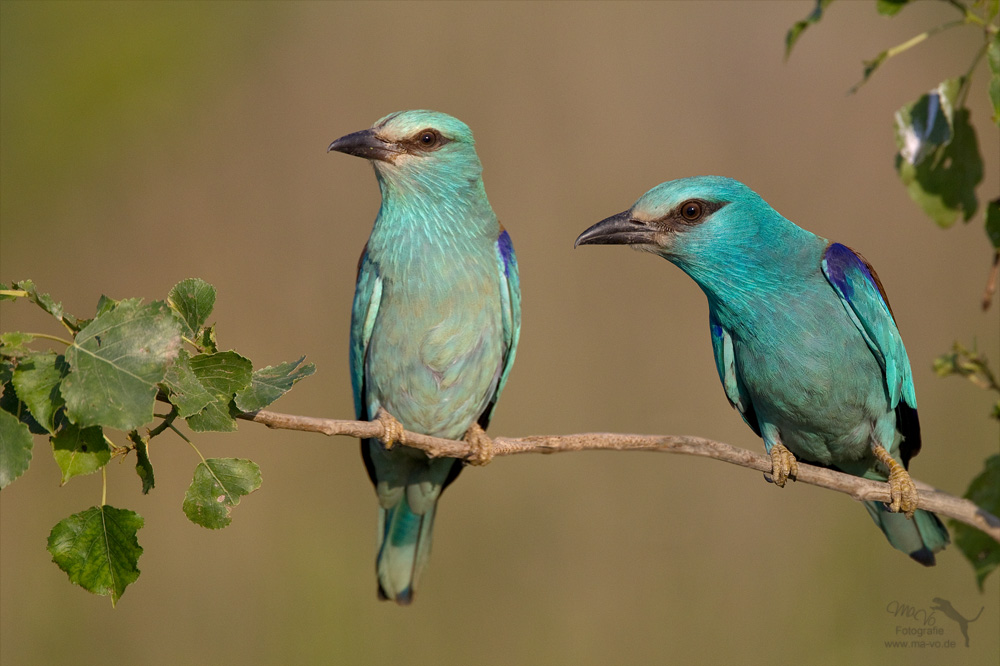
(419, 153)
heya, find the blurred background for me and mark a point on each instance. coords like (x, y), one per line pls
(144, 143)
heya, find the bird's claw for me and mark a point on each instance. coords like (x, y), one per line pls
(902, 490)
(392, 429)
(480, 446)
(783, 465)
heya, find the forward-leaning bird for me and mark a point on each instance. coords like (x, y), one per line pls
(805, 342)
(434, 327)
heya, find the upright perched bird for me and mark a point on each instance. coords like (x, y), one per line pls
(434, 327)
(805, 343)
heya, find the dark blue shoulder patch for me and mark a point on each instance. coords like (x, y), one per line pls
(506, 251)
(839, 260)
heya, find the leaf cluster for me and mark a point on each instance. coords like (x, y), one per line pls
(982, 551)
(938, 158)
(97, 400)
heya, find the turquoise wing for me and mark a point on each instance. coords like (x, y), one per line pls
(725, 363)
(367, 296)
(510, 303)
(860, 290)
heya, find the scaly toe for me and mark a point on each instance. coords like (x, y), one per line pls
(481, 446)
(783, 465)
(903, 492)
(392, 429)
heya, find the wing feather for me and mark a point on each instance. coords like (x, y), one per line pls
(510, 305)
(864, 298)
(367, 297)
(860, 290)
(725, 363)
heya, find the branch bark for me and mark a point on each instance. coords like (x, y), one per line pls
(860, 489)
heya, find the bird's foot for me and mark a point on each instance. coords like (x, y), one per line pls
(901, 487)
(392, 429)
(480, 446)
(783, 465)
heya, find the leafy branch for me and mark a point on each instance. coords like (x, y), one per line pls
(113, 370)
(96, 401)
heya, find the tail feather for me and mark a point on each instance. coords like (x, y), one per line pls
(919, 537)
(403, 550)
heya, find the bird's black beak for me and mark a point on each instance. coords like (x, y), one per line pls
(366, 144)
(620, 229)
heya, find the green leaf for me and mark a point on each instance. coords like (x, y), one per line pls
(15, 448)
(183, 388)
(105, 305)
(944, 182)
(10, 403)
(223, 374)
(12, 344)
(890, 7)
(116, 362)
(193, 299)
(36, 380)
(993, 57)
(926, 125)
(981, 550)
(6, 297)
(797, 29)
(98, 549)
(79, 451)
(206, 340)
(993, 222)
(143, 467)
(43, 301)
(217, 487)
(270, 383)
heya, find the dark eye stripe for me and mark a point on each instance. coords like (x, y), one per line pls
(425, 140)
(689, 214)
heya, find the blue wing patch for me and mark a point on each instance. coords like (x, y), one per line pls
(506, 250)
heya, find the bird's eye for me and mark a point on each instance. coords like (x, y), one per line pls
(428, 138)
(691, 210)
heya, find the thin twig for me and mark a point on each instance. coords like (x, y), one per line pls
(991, 282)
(860, 489)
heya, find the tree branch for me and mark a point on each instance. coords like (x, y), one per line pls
(860, 489)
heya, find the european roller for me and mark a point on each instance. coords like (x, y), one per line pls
(434, 326)
(805, 342)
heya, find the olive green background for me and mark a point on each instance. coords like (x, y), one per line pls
(146, 143)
